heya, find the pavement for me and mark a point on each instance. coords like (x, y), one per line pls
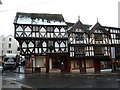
(55, 73)
(102, 72)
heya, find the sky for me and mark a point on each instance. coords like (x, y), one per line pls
(89, 10)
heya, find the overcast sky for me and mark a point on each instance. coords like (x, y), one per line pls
(89, 10)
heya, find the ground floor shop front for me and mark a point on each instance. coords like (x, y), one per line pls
(89, 65)
(62, 63)
(49, 63)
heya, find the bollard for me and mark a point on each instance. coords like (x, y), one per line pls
(70, 70)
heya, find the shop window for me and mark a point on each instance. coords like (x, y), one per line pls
(118, 64)
(105, 64)
(89, 63)
(75, 64)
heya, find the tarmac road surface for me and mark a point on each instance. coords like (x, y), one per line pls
(37, 80)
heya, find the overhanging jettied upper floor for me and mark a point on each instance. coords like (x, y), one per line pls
(35, 25)
(97, 35)
(95, 41)
(39, 34)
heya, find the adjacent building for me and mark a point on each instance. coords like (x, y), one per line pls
(90, 48)
(2, 37)
(8, 45)
(51, 44)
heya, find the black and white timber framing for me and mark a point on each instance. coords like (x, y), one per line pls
(82, 46)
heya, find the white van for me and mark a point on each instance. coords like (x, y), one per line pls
(9, 61)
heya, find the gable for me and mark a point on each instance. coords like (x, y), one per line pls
(97, 28)
(79, 27)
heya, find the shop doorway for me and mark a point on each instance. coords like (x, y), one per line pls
(57, 62)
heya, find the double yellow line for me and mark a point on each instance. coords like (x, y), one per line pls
(23, 85)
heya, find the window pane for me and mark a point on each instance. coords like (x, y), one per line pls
(80, 50)
(9, 46)
(89, 63)
(98, 37)
(10, 39)
(79, 37)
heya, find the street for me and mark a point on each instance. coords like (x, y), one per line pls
(37, 80)
(71, 81)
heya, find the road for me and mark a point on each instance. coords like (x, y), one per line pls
(36, 80)
(71, 81)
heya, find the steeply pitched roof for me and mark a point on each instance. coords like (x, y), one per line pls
(70, 24)
(97, 26)
(29, 17)
(79, 25)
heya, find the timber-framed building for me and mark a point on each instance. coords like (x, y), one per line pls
(51, 44)
(44, 37)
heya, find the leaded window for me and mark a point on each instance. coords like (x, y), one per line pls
(98, 37)
(99, 50)
(50, 43)
(117, 51)
(80, 50)
(38, 44)
(51, 46)
(79, 37)
(50, 29)
(35, 28)
(117, 36)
